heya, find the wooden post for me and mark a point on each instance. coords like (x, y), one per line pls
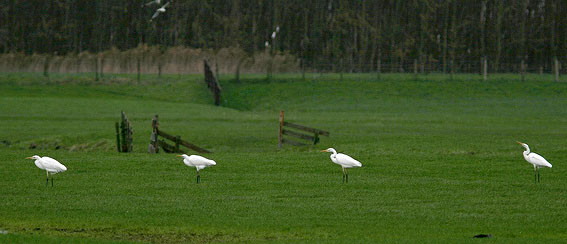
(280, 136)
(556, 68)
(129, 138)
(117, 136)
(484, 68)
(153, 146)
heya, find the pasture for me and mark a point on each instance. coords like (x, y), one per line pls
(440, 160)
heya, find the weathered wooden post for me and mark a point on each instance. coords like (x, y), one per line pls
(153, 146)
(280, 136)
(117, 136)
(126, 132)
(212, 83)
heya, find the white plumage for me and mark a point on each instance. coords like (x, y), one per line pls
(50, 165)
(160, 10)
(345, 161)
(156, 2)
(198, 162)
(535, 159)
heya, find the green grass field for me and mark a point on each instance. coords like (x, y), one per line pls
(441, 162)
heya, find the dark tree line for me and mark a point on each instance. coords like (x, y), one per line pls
(344, 35)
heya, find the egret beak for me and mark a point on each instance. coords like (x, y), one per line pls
(324, 150)
(29, 158)
(520, 142)
(179, 155)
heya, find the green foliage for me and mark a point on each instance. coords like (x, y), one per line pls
(440, 162)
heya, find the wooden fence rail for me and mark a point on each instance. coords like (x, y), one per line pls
(156, 143)
(314, 138)
(123, 134)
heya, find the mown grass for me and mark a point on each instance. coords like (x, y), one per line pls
(440, 161)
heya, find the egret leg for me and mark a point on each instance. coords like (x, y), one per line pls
(537, 175)
(346, 173)
(47, 179)
(343, 175)
(198, 177)
(51, 180)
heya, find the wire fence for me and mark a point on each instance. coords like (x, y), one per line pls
(230, 64)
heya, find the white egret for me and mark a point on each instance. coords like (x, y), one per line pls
(156, 2)
(159, 10)
(273, 35)
(345, 161)
(535, 159)
(198, 162)
(51, 166)
(278, 28)
(267, 44)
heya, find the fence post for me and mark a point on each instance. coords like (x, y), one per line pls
(280, 136)
(153, 146)
(556, 69)
(484, 68)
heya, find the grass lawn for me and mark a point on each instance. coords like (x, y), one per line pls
(440, 160)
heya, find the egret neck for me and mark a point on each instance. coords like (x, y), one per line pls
(527, 151)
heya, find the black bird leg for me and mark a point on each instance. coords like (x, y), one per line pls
(344, 175)
(198, 177)
(538, 175)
